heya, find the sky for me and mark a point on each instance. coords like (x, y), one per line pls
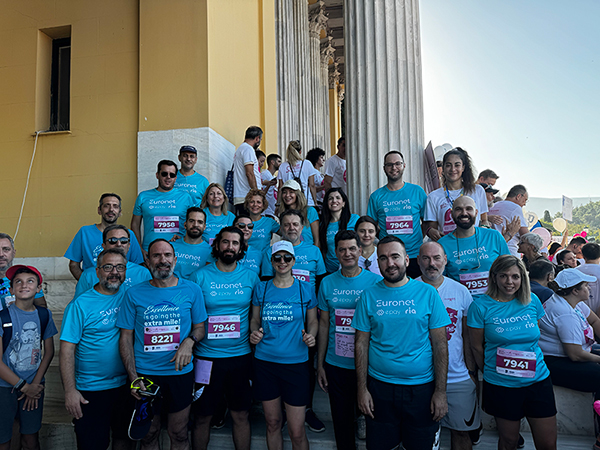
(516, 83)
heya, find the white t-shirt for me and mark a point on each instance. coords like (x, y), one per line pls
(373, 264)
(319, 181)
(244, 155)
(271, 193)
(508, 210)
(335, 167)
(563, 324)
(439, 209)
(593, 270)
(457, 300)
(303, 170)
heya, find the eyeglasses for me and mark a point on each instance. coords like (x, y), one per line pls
(243, 226)
(286, 258)
(114, 240)
(109, 267)
(168, 174)
(394, 164)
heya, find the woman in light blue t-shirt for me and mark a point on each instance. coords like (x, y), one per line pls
(214, 204)
(516, 381)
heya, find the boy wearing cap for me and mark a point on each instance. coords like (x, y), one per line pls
(187, 178)
(22, 366)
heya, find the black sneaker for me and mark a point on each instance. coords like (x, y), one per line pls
(313, 422)
(521, 442)
(475, 435)
(218, 422)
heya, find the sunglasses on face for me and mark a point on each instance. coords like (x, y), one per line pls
(168, 174)
(109, 267)
(286, 258)
(114, 240)
(243, 226)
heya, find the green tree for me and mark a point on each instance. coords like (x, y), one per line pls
(547, 216)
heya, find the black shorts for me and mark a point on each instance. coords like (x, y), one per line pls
(402, 415)
(536, 401)
(230, 377)
(175, 390)
(107, 410)
(288, 381)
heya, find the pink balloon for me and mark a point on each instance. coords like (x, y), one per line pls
(544, 234)
(578, 234)
(584, 234)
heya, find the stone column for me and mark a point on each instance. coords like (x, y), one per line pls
(384, 100)
(303, 73)
(327, 54)
(317, 23)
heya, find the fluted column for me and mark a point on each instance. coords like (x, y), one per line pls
(327, 54)
(317, 23)
(384, 100)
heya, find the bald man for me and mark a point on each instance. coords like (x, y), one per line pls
(471, 250)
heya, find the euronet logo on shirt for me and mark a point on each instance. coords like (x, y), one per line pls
(171, 204)
(395, 307)
(405, 204)
(471, 254)
(516, 321)
(223, 288)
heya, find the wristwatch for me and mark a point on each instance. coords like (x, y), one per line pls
(194, 338)
(20, 384)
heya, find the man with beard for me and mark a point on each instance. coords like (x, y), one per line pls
(187, 178)
(117, 237)
(7, 256)
(192, 252)
(87, 243)
(471, 250)
(401, 355)
(246, 172)
(162, 209)
(95, 381)
(161, 320)
(399, 208)
(463, 411)
(227, 288)
(338, 295)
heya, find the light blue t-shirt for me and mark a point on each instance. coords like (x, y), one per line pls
(87, 245)
(191, 257)
(161, 319)
(470, 259)
(331, 262)
(263, 232)
(163, 213)
(252, 259)
(283, 313)
(399, 320)
(312, 215)
(134, 274)
(338, 296)
(228, 296)
(90, 323)
(195, 184)
(400, 213)
(309, 263)
(6, 298)
(214, 224)
(512, 356)
(25, 350)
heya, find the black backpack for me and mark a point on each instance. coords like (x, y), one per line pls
(297, 179)
(7, 325)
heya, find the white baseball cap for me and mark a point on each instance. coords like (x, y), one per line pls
(283, 246)
(570, 277)
(292, 184)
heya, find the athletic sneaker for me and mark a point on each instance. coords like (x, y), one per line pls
(218, 422)
(475, 435)
(521, 443)
(361, 428)
(141, 419)
(313, 422)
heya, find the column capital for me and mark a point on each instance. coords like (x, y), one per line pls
(327, 50)
(317, 19)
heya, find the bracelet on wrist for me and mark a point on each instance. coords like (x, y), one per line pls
(20, 384)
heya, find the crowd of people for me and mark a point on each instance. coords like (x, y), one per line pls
(197, 310)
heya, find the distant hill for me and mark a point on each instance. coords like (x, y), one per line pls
(539, 204)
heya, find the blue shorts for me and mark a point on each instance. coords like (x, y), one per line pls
(11, 409)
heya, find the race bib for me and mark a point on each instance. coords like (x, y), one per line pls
(343, 320)
(301, 275)
(224, 327)
(161, 339)
(344, 345)
(166, 224)
(202, 371)
(476, 282)
(515, 363)
(399, 224)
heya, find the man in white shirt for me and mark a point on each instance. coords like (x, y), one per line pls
(269, 181)
(335, 168)
(246, 172)
(591, 255)
(509, 209)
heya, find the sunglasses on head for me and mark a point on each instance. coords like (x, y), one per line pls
(168, 174)
(114, 240)
(286, 258)
(242, 226)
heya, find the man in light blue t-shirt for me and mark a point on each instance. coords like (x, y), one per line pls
(401, 354)
(338, 295)
(93, 375)
(192, 252)
(161, 320)
(114, 236)
(399, 208)
(187, 178)
(162, 209)
(87, 243)
(471, 250)
(227, 287)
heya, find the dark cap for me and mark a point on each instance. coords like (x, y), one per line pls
(10, 273)
(489, 188)
(189, 149)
